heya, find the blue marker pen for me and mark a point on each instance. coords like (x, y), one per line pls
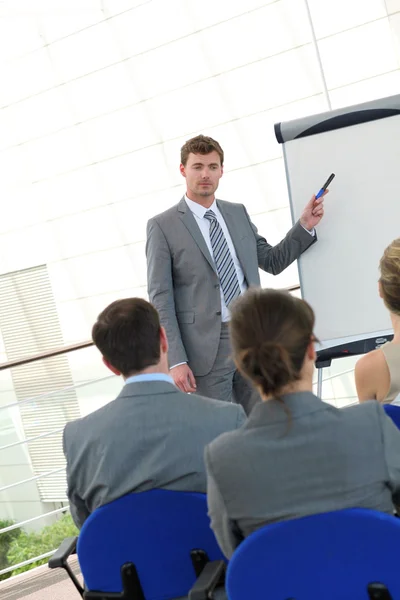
(324, 187)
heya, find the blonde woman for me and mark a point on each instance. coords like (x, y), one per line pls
(377, 373)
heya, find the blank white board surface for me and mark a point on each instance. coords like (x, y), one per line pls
(339, 274)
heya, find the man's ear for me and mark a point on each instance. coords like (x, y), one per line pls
(182, 170)
(109, 366)
(163, 340)
(311, 352)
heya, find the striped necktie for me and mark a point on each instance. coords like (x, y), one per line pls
(223, 260)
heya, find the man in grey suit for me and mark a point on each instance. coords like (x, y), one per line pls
(152, 435)
(201, 255)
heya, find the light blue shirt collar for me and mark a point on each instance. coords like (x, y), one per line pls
(150, 377)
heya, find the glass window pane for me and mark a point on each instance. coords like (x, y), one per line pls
(139, 173)
(59, 22)
(119, 132)
(114, 7)
(394, 22)
(89, 50)
(208, 12)
(349, 57)
(26, 76)
(332, 17)
(144, 28)
(101, 92)
(26, 247)
(368, 89)
(41, 115)
(132, 214)
(18, 35)
(72, 192)
(274, 28)
(261, 188)
(58, 153)
(392, 6)
(101, 272)
(85, 232)
(238, 93)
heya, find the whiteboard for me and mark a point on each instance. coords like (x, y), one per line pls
(339, 274)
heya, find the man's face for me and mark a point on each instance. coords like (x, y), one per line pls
(202, 173)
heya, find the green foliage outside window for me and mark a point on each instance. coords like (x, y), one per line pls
(17, 545)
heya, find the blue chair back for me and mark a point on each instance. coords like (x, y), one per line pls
(156, 531)
(393, 412)
(329, 556)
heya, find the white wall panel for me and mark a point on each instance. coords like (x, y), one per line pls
(358, 54)
(333, 17)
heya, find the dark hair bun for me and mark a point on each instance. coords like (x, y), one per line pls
(268, 366)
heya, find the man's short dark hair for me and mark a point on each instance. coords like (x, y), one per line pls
(127, 333)
(201, 144)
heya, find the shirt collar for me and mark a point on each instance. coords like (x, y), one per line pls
(149, 377)
(199, 210)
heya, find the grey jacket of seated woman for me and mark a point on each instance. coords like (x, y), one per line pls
(377, 373)
(296, 455)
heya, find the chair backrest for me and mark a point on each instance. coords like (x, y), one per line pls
(155, 530)
(393, 411)
(329, 556)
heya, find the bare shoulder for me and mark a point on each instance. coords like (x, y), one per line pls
(371, 373)
(370, 364)
(372, 360)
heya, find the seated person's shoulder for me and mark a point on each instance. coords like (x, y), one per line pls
(217, 409)
(368, 372)
(226, 447)
(84, 426)
(372, 360)
(369, 411)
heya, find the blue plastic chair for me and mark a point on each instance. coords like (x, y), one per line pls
(330, 556)
(393, 412)
(156, 532)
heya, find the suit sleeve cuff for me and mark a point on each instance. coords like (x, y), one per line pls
(178, 365)
(310, 231)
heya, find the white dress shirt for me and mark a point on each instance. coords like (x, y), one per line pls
(204, 226)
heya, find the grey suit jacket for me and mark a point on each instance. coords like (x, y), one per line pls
(316, 460)
(151, 436)
(183, 283)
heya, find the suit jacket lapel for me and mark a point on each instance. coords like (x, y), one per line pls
(189, 221)
(231, 221)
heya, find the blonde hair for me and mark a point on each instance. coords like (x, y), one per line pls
(390, 276)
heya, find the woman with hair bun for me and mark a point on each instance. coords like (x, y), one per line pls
(296, 455)
(377, 373)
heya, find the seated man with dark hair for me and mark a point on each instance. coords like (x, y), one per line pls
(152, 435)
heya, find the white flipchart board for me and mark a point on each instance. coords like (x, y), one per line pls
(339, 274)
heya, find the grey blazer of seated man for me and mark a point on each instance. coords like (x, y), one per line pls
(183, 283)
(151, 436)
